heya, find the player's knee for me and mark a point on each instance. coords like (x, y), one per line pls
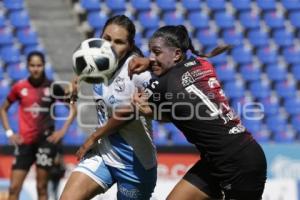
(14, 190)
(41, 189)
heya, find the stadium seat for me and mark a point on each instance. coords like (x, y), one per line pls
(10, 55)
(274, 20)
(291, 5)
(271, 105)
(224, 20)
(249, 20)
(96, 19)
(173, 18)
(90, 5)
(148, 20)
(166, 5)
(4, 88)
(31, 48)
(12, 5)
(116, 5)
(295, 69)
(292, 106)
(61, 111)
(267, 55)
(160, 135)
(260, 89)
(207, 37)
(19, 19)
(252, 125)
(216, 5)
(1, 73)
(234, 89)
(27, 37)
(285, 89)
(283, 37)
(2, 20)
(295, 121)
(6, 37)
(225, 72)
(141, 5)
(49, 72)
(241, 5)
(232, 36)
(191, 5)
(258, 38)
(220, 59)
(250, 72)
(276, 72)
(17, 71)
(198, 20)
(286, 136)
(291, 55)
(276, 123)
(266, 5)
(238, 104)
(294, 18)
(242, 55)
(262, 135)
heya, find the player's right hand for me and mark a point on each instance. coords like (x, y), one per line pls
(15, 139)
(137, 65)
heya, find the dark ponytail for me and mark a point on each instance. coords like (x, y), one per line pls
(177, 36)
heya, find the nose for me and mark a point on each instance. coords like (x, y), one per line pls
(152, 56)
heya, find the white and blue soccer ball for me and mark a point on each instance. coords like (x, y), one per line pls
(95, 61)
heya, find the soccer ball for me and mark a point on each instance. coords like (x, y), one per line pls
(94, 61)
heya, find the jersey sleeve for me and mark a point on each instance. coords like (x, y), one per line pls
(141, 81)
(13, 94)
(155, 91)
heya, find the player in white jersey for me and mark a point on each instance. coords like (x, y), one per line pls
(127, 156)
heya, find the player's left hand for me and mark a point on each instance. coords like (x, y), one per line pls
(55, 137)
(88, 144)
(140, 101)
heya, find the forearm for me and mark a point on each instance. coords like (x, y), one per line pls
(71, 117)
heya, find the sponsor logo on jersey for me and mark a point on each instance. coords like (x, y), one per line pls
(187, 79)
(191, 63)
(119, 84)
(24, 92)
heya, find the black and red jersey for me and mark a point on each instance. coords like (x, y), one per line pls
(191, 96)
(35, 120)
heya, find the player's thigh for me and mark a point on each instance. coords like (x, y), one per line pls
(80, 187)
(17, 178)
(42, 177)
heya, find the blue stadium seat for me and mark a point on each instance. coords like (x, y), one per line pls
(191, 5)
(260, 89)
(160, 136)
(292, 106)
(291, 5)
(198, 20)
(1, 73)
(232, 36)
(216, 5)
(2, 20)
(286, 136)
(276, 72)
(283, 37)
(31, 48)
(10, 55)
(4, 88)
(296, 71)
(294, 18)
(234, 89)
(13, 4)
(207, 37)
(141, 5)
(224, 20)
(241, 5)
(90, 5)
(258, 38)
(17, 71)
(250, 72)
(263, 135)
(266, 5)
(173, 18)
(3, 139)
(267, 55)
(291, 55)
(271, 105)
(274, 20)
(249, 20)
(295, 121)
(149, 20)
(49, 72)
(220, 59)
(6, 37)
(286, 89)
(27, 37)
(116, 5)
(242, 55)
(19, 19)
(61, 111)
(276, 123)
(252, 125)
(238, 105)
(96, 19)
(225, 72)
(166, 5)
(138, 39)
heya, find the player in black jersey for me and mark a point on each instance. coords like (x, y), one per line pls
(188, 93)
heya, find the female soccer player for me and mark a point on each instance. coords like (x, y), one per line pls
(37, 140)
(189, 94)
(126, 157)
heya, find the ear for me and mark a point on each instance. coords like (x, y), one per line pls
(177, 55)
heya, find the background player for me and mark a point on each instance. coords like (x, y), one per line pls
(128, 156)
(37, 140)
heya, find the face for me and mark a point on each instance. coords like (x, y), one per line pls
(118, 37)
(162, 57)
(36, 67)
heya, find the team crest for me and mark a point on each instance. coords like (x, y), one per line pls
(119, 84)
(187, 79)
(24, 92)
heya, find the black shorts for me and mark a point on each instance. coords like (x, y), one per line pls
(243, 178)
(42, 153)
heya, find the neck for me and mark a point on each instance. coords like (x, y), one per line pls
(36, 82)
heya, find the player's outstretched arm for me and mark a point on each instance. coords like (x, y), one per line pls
(138, 65)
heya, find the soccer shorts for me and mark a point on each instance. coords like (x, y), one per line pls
(133, 183)
(42, 153)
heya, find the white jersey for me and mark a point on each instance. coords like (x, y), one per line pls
(134, 140)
